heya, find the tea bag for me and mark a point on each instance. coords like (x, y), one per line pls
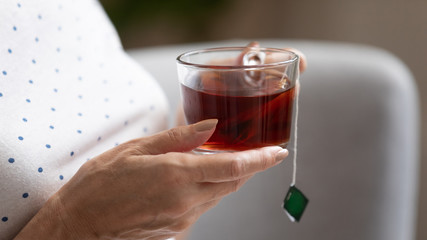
(270, 79)
(235, 81)
(251, 56)
(295, 201)
(267, 80)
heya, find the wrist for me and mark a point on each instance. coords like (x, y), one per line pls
(53, 222)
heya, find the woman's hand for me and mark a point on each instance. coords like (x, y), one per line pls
(148, 188)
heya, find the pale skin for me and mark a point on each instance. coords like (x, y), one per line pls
(148, 188)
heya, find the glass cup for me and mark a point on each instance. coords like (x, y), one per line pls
(251, 91)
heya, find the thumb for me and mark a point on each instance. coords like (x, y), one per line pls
(178, 139)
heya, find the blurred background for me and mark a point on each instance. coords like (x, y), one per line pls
(399, 26)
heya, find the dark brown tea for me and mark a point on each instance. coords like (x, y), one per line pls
(245, 120)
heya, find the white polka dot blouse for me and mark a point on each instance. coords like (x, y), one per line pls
(68, 92)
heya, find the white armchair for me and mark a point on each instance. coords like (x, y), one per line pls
(357, 151)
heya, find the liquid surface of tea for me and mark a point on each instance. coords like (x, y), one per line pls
(245, 120)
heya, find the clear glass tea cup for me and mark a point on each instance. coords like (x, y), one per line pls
(251, 91)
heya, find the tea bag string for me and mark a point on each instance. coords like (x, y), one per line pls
(294, 173)
(252, 56)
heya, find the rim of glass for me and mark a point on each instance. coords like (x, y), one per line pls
(294, 58)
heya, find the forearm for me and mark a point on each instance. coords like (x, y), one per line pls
(50, 223)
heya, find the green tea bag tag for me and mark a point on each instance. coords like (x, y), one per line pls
(294, 203)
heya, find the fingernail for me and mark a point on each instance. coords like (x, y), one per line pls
(282, 154)
(205, 125)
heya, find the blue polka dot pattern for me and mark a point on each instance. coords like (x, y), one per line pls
(59, 92)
